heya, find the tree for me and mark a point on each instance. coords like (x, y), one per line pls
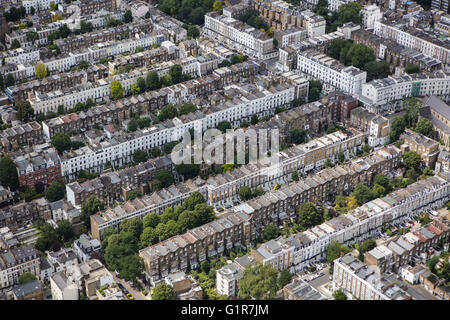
(26, 277)
(128, 16)
(376, 70)
(284, 278)
(163, 291)
(223, 126)
(167, 112)
(259, 282)
(176, 73)
(193, 32)
(193, 200)
(297, 136)
(245, 193)
(328, 163)
(428, 171)
(134, 226)
(133, 194)
(235, 59)
(132, 125)
(367, 245)
(383, 181)
(412, 68)
(140, 156)
(2, 82)
(425, 127)
(10, 81)
(90, 207)
(32, 10)
(56, 191)
(167, 230)
(40, 70)
(48, 238)
(254, 120)
(334, 251)
(65, 230)
(135, 88)
(32, 36)
(314, 94)
(15, 44)
(143, 123)
(156, 152)
(8, 173)
(308, 215)
(148, 237)
(397, 128)
(197, 16)
(412, 107)
(363, 194)
(151, 220)
(294, 176)
(431, 264)
(271, 231)
(131, 267)
(379, 191)
(339, 295)
(61, 142)
(336, 47)
(341, 157)
(186, 108)
(411, 159)
(217, 6)
(24, 110)
(163, 179)
(360, 55)
(116, 90)
(152, 80)
(141, 84)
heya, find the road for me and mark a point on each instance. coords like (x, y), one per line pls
(320, 281)
(136, 294)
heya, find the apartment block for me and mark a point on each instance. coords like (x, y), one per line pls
(14, 262)
(362, 282)
(24, 134)
(426, 147)
(239, 35)
(331, 72)
(387, 94)
(377, 126)
(44, 167)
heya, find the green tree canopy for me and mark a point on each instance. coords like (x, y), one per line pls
(139, 156)
(259, 282)
(425, 127)
(90, 207)
(40, 70)
(411, 159)
(61, 142)
(167, 112)
(297, 136)
(152, 80)
(163, 291)
(151, 220)
(176, 73)
(26, 277)
(56, 191)
(8, 173)
(308, 215)
(245, 193)
(116, 90)
(271, 231)
(65, 230)
(339, 295)
(363, 194)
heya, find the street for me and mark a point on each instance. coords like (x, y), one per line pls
(136, 294)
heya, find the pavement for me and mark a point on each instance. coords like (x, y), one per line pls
(136, 293)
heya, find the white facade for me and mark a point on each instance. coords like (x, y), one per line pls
(385, 91)
(227, 280)
(370, 14)
(38, 5)
(410, 41)
(62, 288)
(87, 159)
(319, 66)
(20, 55)
(243, 38)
